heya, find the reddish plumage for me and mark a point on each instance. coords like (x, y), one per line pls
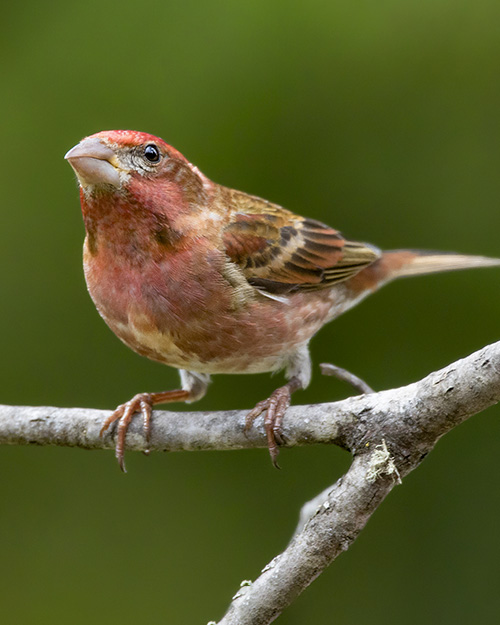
(211, 280)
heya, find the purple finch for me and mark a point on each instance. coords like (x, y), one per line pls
(211, 280)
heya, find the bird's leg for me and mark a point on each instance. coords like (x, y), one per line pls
(346, 376)
(194, 386)
(275, 406)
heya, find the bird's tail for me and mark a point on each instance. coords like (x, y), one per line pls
(402, 263)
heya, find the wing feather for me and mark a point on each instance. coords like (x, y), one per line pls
(280, 252)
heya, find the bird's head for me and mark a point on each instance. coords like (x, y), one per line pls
(128, 161)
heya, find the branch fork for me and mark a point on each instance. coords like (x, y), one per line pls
(388, 433)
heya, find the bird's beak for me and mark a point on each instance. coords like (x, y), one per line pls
(94, 163)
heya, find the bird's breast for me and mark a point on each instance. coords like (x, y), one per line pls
(193, 311)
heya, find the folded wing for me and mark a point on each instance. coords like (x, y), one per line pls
(280, 252)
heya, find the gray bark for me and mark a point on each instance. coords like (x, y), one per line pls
(388, 434)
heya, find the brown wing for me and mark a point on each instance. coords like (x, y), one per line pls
(280, 252)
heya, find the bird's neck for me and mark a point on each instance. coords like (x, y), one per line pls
(128, 225)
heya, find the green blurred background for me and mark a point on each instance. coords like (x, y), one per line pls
(380, 118)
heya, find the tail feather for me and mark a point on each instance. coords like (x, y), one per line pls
(414, 263)
(401, 263)
(419, 262)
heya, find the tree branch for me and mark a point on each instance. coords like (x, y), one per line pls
(388, 433)
(391, 437)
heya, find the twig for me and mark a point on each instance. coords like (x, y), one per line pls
(346, 376)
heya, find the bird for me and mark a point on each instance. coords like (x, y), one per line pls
(208, 279)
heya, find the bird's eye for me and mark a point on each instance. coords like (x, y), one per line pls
(152, 153)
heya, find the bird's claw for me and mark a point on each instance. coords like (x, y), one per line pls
(275, 406)
(123, 416)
